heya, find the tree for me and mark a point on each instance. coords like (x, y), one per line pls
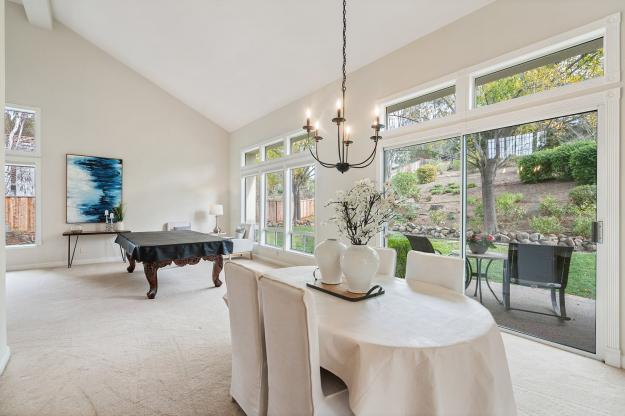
(302, 182)
(19, 128)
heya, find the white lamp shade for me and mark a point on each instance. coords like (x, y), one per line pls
(216, 210)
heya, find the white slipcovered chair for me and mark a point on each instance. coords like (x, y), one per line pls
(388, 261)
(445, 271)
(248, 386)
(292, 343)
(244, 242)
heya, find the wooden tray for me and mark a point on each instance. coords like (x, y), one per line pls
(340, 291)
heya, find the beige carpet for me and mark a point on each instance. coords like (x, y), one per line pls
(86, 341)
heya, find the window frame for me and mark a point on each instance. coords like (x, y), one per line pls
(37, 112)
(36, 163)
(464, 79)
(289, 233)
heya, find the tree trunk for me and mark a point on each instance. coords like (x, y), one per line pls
(488, 174)
(296, 204)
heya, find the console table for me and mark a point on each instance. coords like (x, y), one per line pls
(77, 234)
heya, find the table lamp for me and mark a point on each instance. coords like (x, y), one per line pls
(216, 210)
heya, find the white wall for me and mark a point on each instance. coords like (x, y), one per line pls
(174, 158)
(4, 349)
(499, 28)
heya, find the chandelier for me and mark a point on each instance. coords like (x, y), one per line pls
(343, 132)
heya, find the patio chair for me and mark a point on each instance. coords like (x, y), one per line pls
(537, 266)
(421, 243)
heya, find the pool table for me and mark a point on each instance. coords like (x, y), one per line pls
(156, 249)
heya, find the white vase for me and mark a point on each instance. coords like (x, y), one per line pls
(119, 226)
(328, 256)
(360, 265)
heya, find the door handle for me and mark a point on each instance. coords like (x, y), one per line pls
(597, 232)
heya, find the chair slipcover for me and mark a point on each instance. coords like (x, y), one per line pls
(388, 261)
(249, 366)
(292, 344)
(445, 271)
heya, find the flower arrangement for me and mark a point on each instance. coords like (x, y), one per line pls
(362, 212)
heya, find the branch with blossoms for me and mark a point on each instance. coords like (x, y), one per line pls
(363, 211)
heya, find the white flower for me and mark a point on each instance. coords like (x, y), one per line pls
(363, 211)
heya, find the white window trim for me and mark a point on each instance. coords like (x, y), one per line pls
(37, 151)
(36, 162)
(608, 28)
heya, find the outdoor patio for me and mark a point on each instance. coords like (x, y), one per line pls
(578, 333)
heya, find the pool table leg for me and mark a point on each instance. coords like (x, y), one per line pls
(218, 264)
(150, 270)
(131, 263)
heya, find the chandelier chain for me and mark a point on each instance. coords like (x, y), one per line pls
(344, 86)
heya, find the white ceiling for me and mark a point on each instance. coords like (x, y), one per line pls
(235, 60)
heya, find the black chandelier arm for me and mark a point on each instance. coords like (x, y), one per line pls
(324, 164)
(368, 160)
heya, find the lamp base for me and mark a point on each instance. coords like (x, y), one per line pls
(216, 230)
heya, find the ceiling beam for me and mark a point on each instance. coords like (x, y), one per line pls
(39, 13)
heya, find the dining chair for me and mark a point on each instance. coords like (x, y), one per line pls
(445, 271)
(248, 386)
(292, 343)
(388, 261)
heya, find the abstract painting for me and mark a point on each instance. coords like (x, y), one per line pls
(94, 185)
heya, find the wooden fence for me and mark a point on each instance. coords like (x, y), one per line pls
(275, 210)
(20, 213)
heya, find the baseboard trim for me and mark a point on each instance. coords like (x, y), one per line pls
(61, 263)
(4, 360)
(613, 357)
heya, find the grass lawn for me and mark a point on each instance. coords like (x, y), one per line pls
(302, 239)
(581, 273)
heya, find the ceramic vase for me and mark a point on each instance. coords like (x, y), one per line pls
(360, 265)
(328, 255)
(477, 247)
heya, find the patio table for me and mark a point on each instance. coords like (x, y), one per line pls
(478, 274)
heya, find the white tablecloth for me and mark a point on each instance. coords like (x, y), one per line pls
(418, 349)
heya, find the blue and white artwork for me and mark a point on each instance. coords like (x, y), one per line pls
(94, 184)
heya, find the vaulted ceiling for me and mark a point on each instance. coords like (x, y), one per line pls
(237, 60)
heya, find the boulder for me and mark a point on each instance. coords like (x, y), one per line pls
(522, 236)
(535, 237)
(504, 239)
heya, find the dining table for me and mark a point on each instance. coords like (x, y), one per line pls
(418, 349)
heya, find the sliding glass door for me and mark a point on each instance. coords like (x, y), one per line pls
(529, 194)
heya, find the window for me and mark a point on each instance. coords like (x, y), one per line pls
(252, 203)
(274, 151)
(251, 158)
(21, 187)
(426, 107)
(568, 66)
(274, 209)
(303, 209)
(298, 143)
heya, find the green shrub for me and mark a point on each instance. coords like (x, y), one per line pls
(551, 207)
(582, 225)
(545, 225)
(561, 158)
(454, 165)
(438, 217)
(508, 210)
(471, 185)
(536, 167)
(427, 173)
(584, 164)
(402, 246)
(406, 185)
(583, 195)
(437, 189)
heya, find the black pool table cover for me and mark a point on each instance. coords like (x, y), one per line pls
(153, 246)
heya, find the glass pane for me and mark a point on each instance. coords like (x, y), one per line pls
(426, 107)
(252, 157)
(298, 143)
(274, 151)
(274, 209)
(428, 178)
(252, 203)
(531, 202)
(20, 215)
(569, 66)
(303, 209)
(19, 130)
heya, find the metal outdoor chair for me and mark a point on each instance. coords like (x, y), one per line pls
(421, 243)
(537, 266)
